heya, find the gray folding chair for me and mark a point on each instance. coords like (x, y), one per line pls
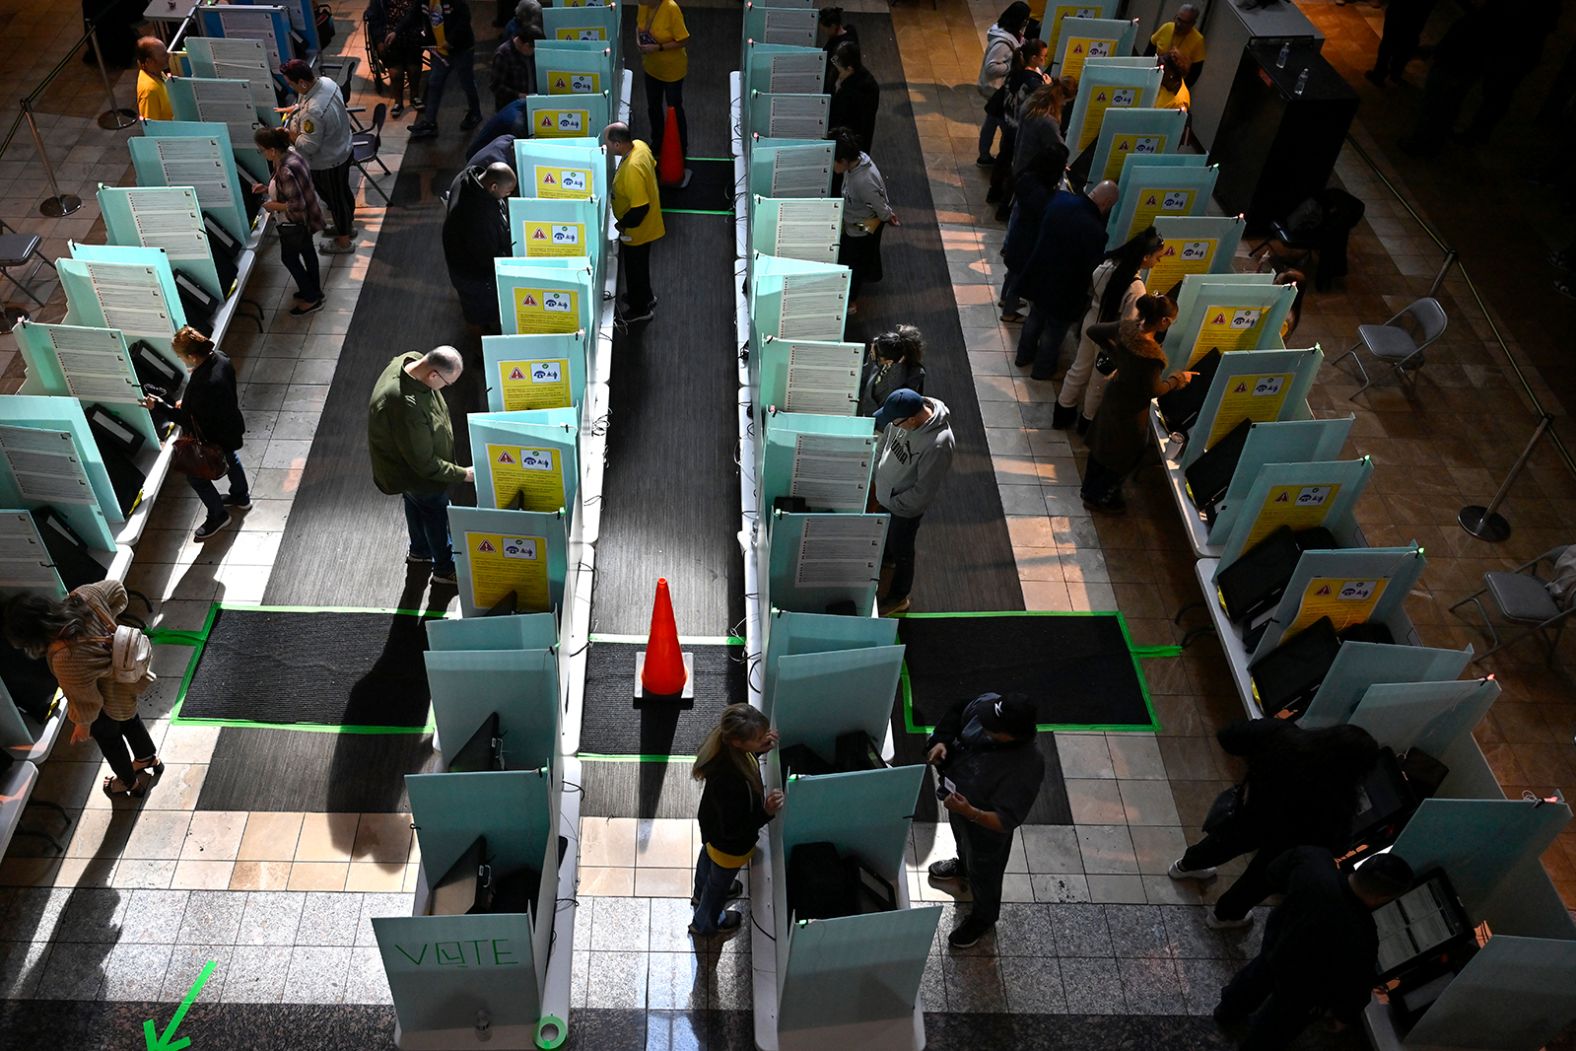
(1401, 340)
(364, 146)
(1523, 597)
(16, 250)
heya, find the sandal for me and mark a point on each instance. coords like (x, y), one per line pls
(140, 786)
(151, 763)
(114, 786)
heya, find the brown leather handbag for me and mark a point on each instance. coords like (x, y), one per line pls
(198, 458)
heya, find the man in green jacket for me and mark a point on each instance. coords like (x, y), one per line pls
(412, 442)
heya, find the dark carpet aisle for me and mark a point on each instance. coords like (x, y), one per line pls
(965, 555)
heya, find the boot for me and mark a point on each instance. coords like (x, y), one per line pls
(1062, 416)
(1084, 423)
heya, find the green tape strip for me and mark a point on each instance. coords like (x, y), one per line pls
(1135, 652)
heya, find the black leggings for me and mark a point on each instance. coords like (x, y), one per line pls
(113, 737)
(673, 92)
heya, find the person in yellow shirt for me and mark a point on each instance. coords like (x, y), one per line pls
(153, 98)
(637, 208)
(1182, 34)
(1173, 82)
(661, 35)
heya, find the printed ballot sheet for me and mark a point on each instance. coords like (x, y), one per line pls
(131, 299)
(832, 472)
(795, 116)
(796, 73)
(24, 561)
(240, 23)
(45, 465)
(198, 163)
(813, 306)
(170, 218)
(839, 551)
(823, 378)
(800, 228)
(800, 172)
(241, 59)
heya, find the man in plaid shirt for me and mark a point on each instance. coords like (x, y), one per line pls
(514, 66)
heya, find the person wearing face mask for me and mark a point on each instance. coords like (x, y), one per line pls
(984, 751)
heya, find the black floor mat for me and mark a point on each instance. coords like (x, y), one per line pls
(276, 667)
(710, 188)
(623, 788)
(613, 724)
(1078, 668)
(320, 773)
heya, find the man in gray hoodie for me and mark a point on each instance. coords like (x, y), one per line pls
(916, 454)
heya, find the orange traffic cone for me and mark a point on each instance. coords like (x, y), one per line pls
(670, 166)
(663, 673)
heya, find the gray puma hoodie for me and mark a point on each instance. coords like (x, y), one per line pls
(913, 463)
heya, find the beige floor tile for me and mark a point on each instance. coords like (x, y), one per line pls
(1084, 755)
(202, 875)
(1148, 803)
(179, 788)
(1046, 596)
(664, 843)
(412, 878)
(372, 877)
(1136, 756)
(383, 838)
(158, 835)
(139, 873)
(100, 833)
(607, 882)
(270, 836)
(327, 837)
(1017, 886)
(318, 875)
(260, 875)
(1120, 888)
(214, 835)
(664, 883)
(1106, 849)
(1157, 846)
(1094, 801)
(607, 841)
(84, 872)
(188, 744)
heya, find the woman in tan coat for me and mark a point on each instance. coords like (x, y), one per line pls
(74, 636)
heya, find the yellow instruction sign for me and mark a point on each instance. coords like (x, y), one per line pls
(1258, 398)
(502, 564)
(538, 474)
(535, 383)
(554, 181)
(581, 33)
(1228, 328)
(546, 310)
(1159, 200)
(1105, 97)
(1181, 258)
(1082, 49)
(573, 82)
(553, 239)
(1293, 506)
(1058, 12)
(560, 123)
(1136, 145)
(1345, 601)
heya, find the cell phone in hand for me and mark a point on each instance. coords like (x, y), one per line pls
(945, 788)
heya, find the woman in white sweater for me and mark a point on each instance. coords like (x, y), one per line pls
(1116, 287)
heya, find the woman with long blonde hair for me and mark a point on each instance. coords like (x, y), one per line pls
(733, 807)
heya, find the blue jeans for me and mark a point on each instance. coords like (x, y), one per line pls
(1040, 342)
(1010, 300)
(711, 887)
(208, 493)
(511, 120)
(463, 65)
(427, 517)
(987, 133)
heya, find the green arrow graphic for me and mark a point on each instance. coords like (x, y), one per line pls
(166, 1042)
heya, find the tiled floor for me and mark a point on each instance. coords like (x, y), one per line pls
(1093, 924)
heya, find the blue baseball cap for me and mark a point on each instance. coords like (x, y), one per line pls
(900, 405)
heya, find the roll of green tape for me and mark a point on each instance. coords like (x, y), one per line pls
(551, 1032)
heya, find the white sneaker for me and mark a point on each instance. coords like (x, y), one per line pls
(1176, 871)
(1215, 923)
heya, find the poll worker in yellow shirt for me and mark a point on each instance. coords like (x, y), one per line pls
(637, 209)
(661, 35)
(1173, 82)
(153, 61)
(1182, 34)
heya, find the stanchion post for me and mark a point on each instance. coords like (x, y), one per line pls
(1486, 523)
(114, 118)
(60, 203)
(1444, 270)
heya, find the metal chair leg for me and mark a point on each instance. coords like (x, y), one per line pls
(1469, 598)
(373, 183)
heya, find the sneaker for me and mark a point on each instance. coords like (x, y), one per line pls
(735, 890)
(892, 607)
(237, 503)
(1176, 871)
(1215, 923)
(332, 247)
(731, 922)
(418, 104)
(397, 111)
(1012, 317)
(445, 578)
(472, 119)
(307, 308)
(423, 130)
(951, 868)
(968, 933)
(1108, 506)
(211, 526)
(985, 160)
